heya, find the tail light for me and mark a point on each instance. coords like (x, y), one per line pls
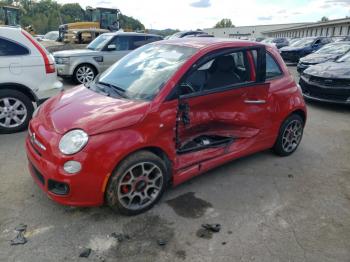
(49, 63)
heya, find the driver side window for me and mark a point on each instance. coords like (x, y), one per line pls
(220, 72)
(121, 43)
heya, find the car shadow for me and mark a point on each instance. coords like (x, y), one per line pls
(329, 106)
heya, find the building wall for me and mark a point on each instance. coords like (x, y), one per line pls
(246, 31)
(327, 29)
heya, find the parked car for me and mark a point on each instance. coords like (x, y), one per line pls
(330, 52)
(187, 33)
(328, 82)
(50, 36)
(27, 76)
(278, 42)
(303, 47)
(83, 65)
(341, 38)
(161, 115)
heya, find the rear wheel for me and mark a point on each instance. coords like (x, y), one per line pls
(137, 184)
(84, 74)
(289, 136)
(16, 110)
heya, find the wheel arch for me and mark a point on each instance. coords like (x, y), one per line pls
(300, 113)
(20, 88)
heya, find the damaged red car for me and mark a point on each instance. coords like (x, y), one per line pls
(163, 114)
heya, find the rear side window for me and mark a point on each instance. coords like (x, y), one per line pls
(9, 48)
(272, 68)
(137, 41)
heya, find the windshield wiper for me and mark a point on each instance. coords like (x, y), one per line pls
(115, 89)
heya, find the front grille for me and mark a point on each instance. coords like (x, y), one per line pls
(324, 93)
(330, 81)
(37, 174)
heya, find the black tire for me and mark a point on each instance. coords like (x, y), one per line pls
(26, 104)
(87, 67)
(114, 186)
(280, 147)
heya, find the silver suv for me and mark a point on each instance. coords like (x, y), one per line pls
(83, 65)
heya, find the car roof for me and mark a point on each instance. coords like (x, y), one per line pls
(6, 28)
(131, 34)
(204, 42)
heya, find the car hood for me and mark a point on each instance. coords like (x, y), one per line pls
(82, 108)
(318, 58)
(291, 48)
(76, 52)
(330, 70)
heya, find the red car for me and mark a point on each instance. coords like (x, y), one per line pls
(163, 114)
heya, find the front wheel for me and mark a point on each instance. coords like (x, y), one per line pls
(16, 110)
(289, 136)
(137, 184)
(84, 74)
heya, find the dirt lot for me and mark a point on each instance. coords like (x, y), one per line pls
(270, 208)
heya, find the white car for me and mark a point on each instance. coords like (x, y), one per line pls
(27, 77)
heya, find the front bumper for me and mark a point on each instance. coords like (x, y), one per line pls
(322, 93)
(83, 189)
(64, 70)
(291, 56)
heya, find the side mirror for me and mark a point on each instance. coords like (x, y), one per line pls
(111, 47)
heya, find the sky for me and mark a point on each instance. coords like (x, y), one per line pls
(193, 14)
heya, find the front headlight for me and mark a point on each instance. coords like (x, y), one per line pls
(62, 60)
(73, 141)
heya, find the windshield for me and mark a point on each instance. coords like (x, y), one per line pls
(303, 42)
(99, 42)
(143, 72)
(344, 58)
(335, 49)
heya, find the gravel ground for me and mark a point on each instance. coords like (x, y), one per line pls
(270, 208)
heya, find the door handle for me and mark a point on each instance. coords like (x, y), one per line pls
(258, 101)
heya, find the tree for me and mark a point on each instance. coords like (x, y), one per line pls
(324, 19)
(225, 22)
(128, 23)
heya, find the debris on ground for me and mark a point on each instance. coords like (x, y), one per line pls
(161, 242)
(85, 253)
(290, 176)
(207, 230)
(120, 237)
(20, 238)
(212, 227)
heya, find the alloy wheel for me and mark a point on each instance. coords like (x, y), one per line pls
(13, 112)
(85, 74)
(292, 135)
(140, 185)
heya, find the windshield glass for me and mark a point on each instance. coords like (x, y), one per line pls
(142, 73)
(303, 42)
(344, 58)
(334, 49)
(99, 42)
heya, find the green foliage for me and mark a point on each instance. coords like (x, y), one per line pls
(324, 19)
(47, 15)
(223, 23)
(129, 23)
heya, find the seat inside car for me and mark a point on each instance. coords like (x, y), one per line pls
(222, 72)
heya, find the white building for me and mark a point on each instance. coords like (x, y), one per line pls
(253, 31)
(338, 27)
